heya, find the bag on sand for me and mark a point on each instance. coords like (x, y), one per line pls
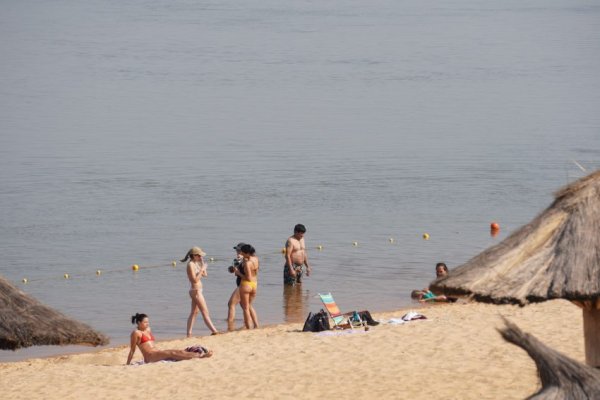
(316, 322)
(366, 316)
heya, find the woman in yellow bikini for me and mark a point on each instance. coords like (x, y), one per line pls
(196, 269)
(249, 284)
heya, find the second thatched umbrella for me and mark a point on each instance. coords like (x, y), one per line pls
(555, 256)
(562, 378)
(24, 322)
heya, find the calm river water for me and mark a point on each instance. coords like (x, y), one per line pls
(131, 131)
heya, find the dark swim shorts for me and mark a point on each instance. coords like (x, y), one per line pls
(292, 280)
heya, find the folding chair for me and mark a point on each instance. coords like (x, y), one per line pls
(341, 320)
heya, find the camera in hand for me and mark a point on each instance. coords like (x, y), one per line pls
(237, 264)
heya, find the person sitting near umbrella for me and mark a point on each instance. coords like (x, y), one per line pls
(426, 295)
(142, 337)
(421, 295)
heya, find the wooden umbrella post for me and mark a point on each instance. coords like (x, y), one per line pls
(591, 334)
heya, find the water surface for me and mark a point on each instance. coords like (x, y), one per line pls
(131, 131)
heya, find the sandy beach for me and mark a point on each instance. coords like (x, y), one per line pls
(456, 353)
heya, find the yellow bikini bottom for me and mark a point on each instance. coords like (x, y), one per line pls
(252, 284)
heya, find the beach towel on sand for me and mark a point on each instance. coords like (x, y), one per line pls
(142, 362)
(409, 316)
(341, 333)
(412, 315)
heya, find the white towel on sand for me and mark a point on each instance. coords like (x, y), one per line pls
(340, 333)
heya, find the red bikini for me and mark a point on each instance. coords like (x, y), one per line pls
(145, 339)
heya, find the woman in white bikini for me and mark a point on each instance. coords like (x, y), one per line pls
(249, 284)
(143, 338)
(196, 269)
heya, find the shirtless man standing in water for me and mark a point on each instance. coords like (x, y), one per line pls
(295, 257)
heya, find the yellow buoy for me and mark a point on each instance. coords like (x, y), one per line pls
(174, 263)
(426, 236)
(320, 247)
(391, 240)
(66, 276)
(212, 259)
(24, 280)
(283, 251)
(135, 267)
(354, 244)
(98, 272)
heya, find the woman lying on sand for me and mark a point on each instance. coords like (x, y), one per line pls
(142, 337)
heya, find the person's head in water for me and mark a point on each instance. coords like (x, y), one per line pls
(441, 270)
(299, 231)
(141, 320)
(247, 250)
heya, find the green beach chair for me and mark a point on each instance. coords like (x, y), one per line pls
(341, 320)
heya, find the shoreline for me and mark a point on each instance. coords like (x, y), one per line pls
(456, 353)
(83, 349)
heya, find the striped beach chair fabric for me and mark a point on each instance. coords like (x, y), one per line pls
(340, 320)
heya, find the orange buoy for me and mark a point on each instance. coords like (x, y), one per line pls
(494, 229)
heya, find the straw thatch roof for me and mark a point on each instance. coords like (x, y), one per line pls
(562, 378)
(24, 322)
(557, 255)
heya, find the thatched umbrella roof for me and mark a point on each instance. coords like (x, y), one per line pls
(556, 255)
(24, 322)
